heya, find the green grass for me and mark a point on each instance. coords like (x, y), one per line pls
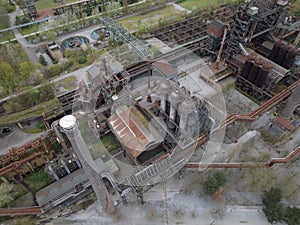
(152, 18)
(6, 36)
(69, 83)
(202, 4)
(29, 29)
(46, 4)
(34, 130)
(110, 142)
(39, 180)
(31, 112)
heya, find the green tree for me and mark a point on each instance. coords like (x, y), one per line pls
(5, 193)
(54, 70)
(273, 208)
(292, 216)
(214, 182)
(81, 59)
(274, 195)
(42, 60)
(68, 53)
(25, 70)
(51, 36)
(8, 79)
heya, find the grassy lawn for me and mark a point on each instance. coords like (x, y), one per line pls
(39, 127)
(69, 83)
(46, 4)
(152, 18)
(37, 180)
(110, 142)
(31, 112)
(6, 36)
(201, 4)
(29, 29)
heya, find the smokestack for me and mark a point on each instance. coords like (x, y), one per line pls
(70, 127)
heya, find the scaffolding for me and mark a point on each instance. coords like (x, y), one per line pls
(119, 33)
(252, 23)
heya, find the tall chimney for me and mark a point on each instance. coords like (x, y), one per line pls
(70, 127)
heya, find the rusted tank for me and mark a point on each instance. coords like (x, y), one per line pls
(255, 70)
(263, 74)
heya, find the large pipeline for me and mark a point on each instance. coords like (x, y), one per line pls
(249, 118)
(20, 211)
(273, 161)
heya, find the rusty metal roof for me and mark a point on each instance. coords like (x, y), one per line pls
(165, 68)
(130, 126)
(286, 124)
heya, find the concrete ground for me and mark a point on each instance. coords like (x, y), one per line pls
(16, 139)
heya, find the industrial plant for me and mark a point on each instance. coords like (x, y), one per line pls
(168, 102)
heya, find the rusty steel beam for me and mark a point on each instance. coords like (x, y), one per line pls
(20, 211)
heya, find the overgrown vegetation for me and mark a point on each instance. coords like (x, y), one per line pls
(295, 8)
(30, 98)
(5, 194)
(30, 113)
(196, 4)
(110, 142)
(16, 71)
(39, 127)
(214, 182)
(38, 180)
(275, 211)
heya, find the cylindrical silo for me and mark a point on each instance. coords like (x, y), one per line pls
(248, 65)
(263, 74)
(255, 70)
(290, 58)
(246, 68)
(174, 99)
(282, 54)
(184, 109)
(163, 89)
(63, 163)
(70, 127)
(275, 49)
(51, 171)
(291, 104)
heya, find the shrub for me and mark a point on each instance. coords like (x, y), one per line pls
(43, 60)
(54, 70)
(213, 183)
(81, 59)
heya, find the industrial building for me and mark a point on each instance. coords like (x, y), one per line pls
(158, 122)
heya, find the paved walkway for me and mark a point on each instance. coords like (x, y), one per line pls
(20, 38)
(16, 139)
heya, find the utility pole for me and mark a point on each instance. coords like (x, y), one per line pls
(166, 202)
(149, 79)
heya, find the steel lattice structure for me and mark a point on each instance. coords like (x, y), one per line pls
(118, 32)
